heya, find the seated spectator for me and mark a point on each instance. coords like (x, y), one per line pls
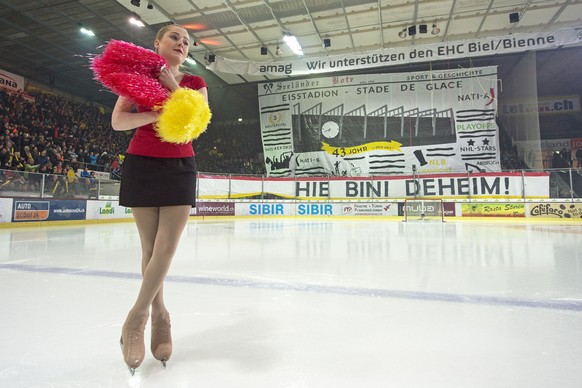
(85, 173)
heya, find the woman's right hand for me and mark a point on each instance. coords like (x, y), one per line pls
(168, 80)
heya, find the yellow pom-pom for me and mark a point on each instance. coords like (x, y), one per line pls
(185, 116)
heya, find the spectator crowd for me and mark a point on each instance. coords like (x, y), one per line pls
(230, 148)
(50, 134)
(43, 133)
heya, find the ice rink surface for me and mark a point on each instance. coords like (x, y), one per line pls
(301, 303)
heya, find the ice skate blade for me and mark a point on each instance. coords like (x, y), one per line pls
(163, 363)
(131, 370)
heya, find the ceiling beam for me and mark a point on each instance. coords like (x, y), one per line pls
(381, 23)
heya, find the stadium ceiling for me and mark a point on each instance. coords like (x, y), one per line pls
(40, 39)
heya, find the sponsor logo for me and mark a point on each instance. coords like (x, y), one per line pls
(8, 81)
(48, 210)
(543, 105)
(108, 209)
(276, 209)
(312, 209)
(493, 210)
(68, 211)
(214, 209)
(31, 210)
(556, 210)
(277, 68)
(368, 209)
(420, 208)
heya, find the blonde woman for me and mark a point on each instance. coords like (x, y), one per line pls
(158, 183)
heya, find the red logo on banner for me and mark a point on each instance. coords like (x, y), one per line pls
(575, 143)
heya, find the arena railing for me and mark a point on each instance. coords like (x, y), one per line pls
(23, 184)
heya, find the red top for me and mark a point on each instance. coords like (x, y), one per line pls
(145, 141)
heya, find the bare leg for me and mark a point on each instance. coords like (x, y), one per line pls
(146, 220)
(160, 230)
(169, 228)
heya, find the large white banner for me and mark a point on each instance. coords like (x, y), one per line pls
(381, 124)
(11, 81)
(488, 185)
(505, 44)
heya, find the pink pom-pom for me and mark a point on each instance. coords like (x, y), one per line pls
(132, 72)
(131, 58)
(143, 91)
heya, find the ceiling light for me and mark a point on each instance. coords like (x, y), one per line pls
(278, 51)
(402, 34)
(326, 42)
(422, 28)
(435, 29)
(190, 60)
(136, 22)
(87, 31)
(150, 6)
(293, 44)
(412, 30)
(211, 58)
(135, 2)
(264, 50)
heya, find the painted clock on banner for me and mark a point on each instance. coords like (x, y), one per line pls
(330, 129)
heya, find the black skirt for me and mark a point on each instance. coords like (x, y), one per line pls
(156, 182)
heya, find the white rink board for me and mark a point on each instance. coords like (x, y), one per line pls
(288, 209)
(6, 209)
(326, 209)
